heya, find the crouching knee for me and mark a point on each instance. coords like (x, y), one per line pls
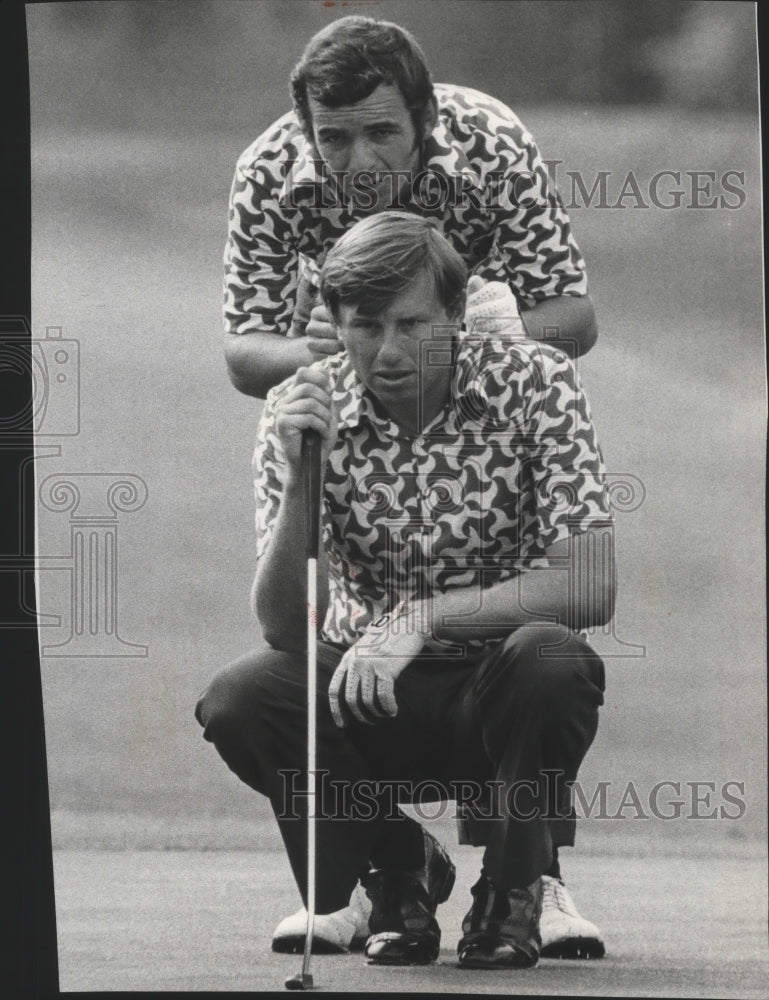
(217, 702)
(240, 694)
(550, 663)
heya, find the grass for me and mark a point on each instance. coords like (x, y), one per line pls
(127, 260)
(202, 921)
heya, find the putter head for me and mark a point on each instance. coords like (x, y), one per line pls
(302, 981)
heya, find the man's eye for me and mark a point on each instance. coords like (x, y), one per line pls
(332, 139)
(409, 323)
(382, 133)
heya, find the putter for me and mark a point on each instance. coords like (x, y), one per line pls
(311, 464)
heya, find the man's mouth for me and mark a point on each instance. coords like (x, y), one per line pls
(393, 378)
(374, 184)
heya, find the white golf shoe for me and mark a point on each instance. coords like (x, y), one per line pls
(348, 929)
(564, 932)
(332, 934)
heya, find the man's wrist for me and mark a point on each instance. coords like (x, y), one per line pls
(293, 484)
(409, 617)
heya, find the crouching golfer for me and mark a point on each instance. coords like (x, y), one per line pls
(467, 539)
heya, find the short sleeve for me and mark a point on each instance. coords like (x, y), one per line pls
(535, 250)
(269, 473)
(565, 464)
(260, 260)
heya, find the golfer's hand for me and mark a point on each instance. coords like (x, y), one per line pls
(492, 308)
(307, 406)
(364, 681)
(321, 334)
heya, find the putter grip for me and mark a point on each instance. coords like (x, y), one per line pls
(311, 463)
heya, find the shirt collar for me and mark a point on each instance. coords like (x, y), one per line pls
(468, 382)
(348, 395)
(354, 403)
(441, 157)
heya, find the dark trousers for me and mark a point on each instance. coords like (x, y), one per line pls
(517, 722)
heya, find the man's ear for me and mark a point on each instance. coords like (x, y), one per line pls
(431, 117)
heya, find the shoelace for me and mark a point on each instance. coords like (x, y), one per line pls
(555, 893)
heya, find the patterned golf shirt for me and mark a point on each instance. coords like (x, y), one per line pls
(510, 467)
(483, 182)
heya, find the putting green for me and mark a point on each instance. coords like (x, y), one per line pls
(202, 920)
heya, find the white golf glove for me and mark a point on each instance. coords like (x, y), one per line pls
(492, 308)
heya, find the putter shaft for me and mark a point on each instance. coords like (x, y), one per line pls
(312, 684)
(311, 459)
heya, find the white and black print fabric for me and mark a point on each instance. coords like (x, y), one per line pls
(483, 182)
(511, 466)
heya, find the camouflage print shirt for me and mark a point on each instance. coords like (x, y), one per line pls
(483, 181)
(510, 467)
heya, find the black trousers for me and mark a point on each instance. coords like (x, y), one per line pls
(505, 731)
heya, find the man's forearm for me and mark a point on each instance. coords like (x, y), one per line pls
(258, 361)
(567, 322)
(577, 589)
(280, 587)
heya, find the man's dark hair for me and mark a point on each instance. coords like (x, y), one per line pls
(346, 61)
(379, 257)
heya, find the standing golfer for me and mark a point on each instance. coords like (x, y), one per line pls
(466, 539)
(370, 131)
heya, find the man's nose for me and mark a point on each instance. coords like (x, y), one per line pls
(361, 156)
(391, 348)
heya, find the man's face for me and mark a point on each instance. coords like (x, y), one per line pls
(373, 144)
(387, 354)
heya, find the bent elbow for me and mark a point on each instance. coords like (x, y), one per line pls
(242, 378)
(282, 640)
(239, 381)
(584, 327)
(280, 631)
(587, 339)
(244, 375)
